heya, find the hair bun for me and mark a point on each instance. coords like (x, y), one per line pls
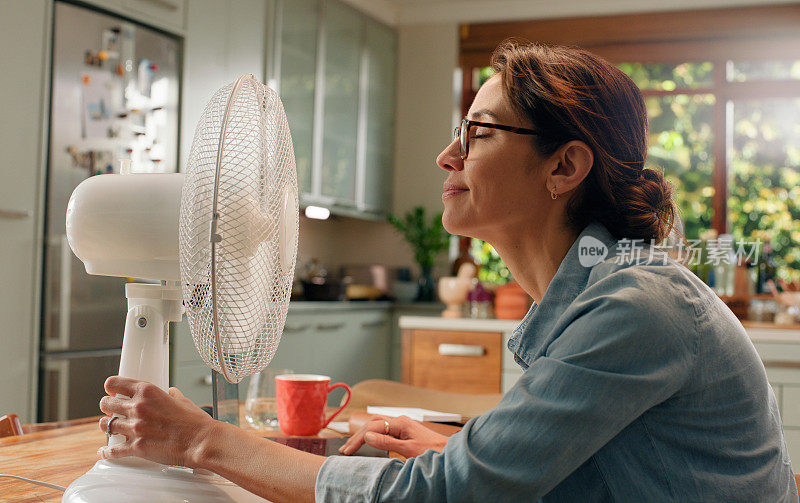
(646, 207)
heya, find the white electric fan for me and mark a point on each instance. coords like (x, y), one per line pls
(221, 240)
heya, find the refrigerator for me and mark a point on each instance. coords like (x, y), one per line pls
(114, 95)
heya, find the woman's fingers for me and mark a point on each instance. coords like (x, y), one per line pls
(355, 442)
(122, 385)
(117, 451)
(131, 428)
(113, 405)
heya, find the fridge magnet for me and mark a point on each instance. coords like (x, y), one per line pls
(145, 76)
(97, 99)
(110, 43)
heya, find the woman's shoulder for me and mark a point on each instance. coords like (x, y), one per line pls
(656, 287)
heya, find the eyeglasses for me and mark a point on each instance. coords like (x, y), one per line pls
(461, 133)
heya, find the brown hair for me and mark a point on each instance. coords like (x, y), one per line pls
(572, 94)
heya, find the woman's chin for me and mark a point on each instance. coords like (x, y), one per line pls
(455, 224)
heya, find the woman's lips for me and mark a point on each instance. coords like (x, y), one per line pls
(451, 192)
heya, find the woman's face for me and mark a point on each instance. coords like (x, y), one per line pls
(500, 188)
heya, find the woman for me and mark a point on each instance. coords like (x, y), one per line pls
(639, 384)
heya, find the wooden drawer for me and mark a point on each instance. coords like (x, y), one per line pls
(431, 359)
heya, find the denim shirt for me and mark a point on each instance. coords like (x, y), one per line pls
(639, 385)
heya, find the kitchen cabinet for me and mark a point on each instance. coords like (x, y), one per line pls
(458, 355)
(779, 349)
(295, 63)
(381, 42)
(457, 361)
(335, 69)
(341, 42)
(427, 309)
(350, 343)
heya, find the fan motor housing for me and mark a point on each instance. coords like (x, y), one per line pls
(127, 225)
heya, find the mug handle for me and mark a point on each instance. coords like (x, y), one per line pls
(331, 388)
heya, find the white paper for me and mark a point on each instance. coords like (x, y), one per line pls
(415, 413)
(339, 426)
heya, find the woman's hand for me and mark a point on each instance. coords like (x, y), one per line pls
(163, 427)
(406, 437)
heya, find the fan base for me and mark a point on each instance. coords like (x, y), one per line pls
(135, 480)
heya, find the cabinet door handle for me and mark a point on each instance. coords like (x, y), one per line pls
(331, 326)
(164, 4)
(14, 214)
(373, 324)
(295, 328)
(461, 350)
(207, 380)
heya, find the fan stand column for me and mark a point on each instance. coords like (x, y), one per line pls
(145, 344)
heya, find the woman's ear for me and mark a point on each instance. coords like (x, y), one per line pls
(574, 161)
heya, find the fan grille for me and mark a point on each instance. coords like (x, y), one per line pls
(256, 170)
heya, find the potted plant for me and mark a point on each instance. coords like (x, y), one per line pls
(427, 239)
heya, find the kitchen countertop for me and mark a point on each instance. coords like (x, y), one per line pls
(758, 331)
(300, 306)
(468, 324)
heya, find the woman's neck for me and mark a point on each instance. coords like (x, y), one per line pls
(533, 255)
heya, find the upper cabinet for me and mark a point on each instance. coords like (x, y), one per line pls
(381, 43)
(335, 70)
(342, 38)
(295, 75)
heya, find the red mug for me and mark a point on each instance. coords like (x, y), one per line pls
(301, 402)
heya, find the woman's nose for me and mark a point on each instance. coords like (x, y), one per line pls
(450, 158)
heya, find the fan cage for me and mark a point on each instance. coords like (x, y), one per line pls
(236, 289)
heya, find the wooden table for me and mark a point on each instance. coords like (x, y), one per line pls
(67, 450)
(59, 456)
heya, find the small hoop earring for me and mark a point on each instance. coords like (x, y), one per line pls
(553, 194)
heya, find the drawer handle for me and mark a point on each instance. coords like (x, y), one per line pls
(373, 324)
(461, 350)
(332, 326)
(164, 4)
(207, 380)
(14, 214)
(295, 328)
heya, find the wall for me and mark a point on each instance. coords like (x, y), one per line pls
(341, 240)
(426, 105)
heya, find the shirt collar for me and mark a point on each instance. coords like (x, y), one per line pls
(592, 246)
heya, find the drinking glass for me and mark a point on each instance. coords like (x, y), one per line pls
(260, 407)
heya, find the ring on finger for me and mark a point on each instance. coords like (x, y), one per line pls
(108, 427)
(385, 427)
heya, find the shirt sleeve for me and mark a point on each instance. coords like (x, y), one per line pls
(349, 479)
(612, 361)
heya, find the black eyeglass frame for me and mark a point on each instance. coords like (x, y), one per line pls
(461, 132)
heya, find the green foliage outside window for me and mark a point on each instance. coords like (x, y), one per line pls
(764, 186)
(492, 269)
(668, 77)
(681, 143)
